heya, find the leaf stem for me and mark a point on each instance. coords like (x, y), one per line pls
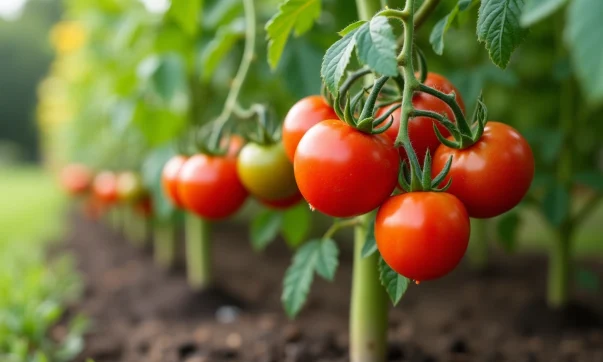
(338, 225)
(424, 11)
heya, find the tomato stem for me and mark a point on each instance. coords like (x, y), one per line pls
(198, 252)
(341, 224)
(560, 266)
(164, 240)
(369, 304)
(478, 245)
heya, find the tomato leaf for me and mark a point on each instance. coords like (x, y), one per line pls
(536, 10)
(394, 283)
(555, 204)
(187, 14)
(264, 228)
(337, 59)
(582, 36)
(292, 14)
(328, 259)
(376, 46)
(498, 27)
(297, 222)
(507, 228)
(370, 245)
(219, 47)
(169, 78)
(592, 179)
(299, 277)
(436, 38)
(351, 27)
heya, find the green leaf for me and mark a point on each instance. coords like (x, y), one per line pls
(186, 13)
(436, 38)
(592, 179)
(264, 228)
(297, 222)
(292, 14)
(536, 10)
(507, 228)
(299, 277)
(337, 59)
(169, 78)
(587, 279)
(464, 4)
(351, 27)
(394, 283)
(328, 259)
(376, 46)
(498, 27)
(370, 245)
(215, 51)
(582, 35)
(556, 204)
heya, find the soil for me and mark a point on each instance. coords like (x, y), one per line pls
(143, 313)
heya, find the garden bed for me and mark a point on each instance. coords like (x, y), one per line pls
(142, 313)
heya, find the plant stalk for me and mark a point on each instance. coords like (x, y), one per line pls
(478, 244)
(369, 304)
(560, 268)
(164, 240)
(198, 252)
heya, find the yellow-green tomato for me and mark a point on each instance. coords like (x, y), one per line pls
(266, 171)
(129, 187)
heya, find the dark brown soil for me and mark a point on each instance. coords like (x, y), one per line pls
(142, 313)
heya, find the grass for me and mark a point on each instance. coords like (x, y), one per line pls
(33, 291)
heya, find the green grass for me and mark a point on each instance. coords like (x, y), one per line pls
(33, 291)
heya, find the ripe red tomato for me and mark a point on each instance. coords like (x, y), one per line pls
(283, 203)
(76, 178)
(105, 187)
(301, 117)
(343, 172)
(492, 176)
(422, 235)
(210, 186)
(266, 172)
(420, 129)
(169, 179)
(129, 187)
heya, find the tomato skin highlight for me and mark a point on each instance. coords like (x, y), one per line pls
(492, 176)
(343, 172)
(422, 235)
(169, 179)
(266, 171)
(420, 129)
(209, 186)
(301, 117)
(105, 187)
(76, 179)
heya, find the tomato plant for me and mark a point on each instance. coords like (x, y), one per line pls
(210, 187)
(266, 172)
(129, 187)
(343, 172)
(105, 187)
(76, 178)
(493, 175)
(422, 235)
(301, 117)
(169, 179)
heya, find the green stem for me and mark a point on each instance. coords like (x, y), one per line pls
(478, 246)
(369, 305)
(424, 11)
(198, 252)
(164, 240)
(560, 270)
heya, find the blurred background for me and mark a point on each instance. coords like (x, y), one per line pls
(106, 83)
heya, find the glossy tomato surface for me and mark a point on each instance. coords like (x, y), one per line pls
(420, 129)
(266, 171)
(169, 179)
(422, 235)
(493, 175)
(105, 187)
(343, 172)
(76, 178)
(210, 187)
(301, 117)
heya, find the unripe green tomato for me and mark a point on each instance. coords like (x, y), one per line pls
(129, 187)
(266, 171)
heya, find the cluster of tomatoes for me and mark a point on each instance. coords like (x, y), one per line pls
(343, 172)
(105, 189)
(216, 186)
